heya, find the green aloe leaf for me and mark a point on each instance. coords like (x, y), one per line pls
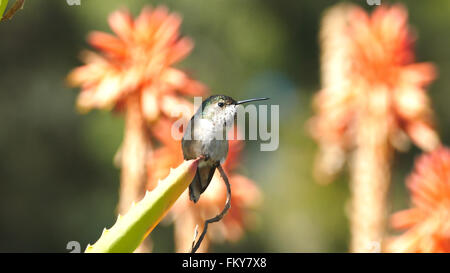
(14, 8)
(3, 4)
(130, 229)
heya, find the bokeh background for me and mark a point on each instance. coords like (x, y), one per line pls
(57, 178)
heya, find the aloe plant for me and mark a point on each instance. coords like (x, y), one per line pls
(12, 10)
(133, 227)
(3, 4)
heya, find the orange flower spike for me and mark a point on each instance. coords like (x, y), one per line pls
(137, 61)
(372, 101)
(365, 55)
(428, 221)
(383, 55)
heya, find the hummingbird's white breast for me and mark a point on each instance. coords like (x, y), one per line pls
(209, 138)
(206, 133)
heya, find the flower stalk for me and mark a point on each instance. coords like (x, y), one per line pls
(370, 179)
(136, 146)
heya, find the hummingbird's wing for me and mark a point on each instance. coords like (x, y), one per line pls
(202, 178)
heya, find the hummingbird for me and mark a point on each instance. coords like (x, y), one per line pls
(205, 136)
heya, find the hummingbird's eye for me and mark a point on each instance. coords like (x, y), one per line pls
(221, 104)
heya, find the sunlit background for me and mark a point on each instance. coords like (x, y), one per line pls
(57, 178)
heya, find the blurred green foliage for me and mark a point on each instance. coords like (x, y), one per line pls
(57, 179)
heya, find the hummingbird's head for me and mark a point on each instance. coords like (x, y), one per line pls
(222, 109)
(219, 108)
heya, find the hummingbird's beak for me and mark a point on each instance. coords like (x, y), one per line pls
(250, 100)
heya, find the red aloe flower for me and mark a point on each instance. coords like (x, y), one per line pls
(138, 61)
(373, 100)
(368, 66)
(428, 221)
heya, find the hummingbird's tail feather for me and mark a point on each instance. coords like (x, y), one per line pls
(201, 180)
